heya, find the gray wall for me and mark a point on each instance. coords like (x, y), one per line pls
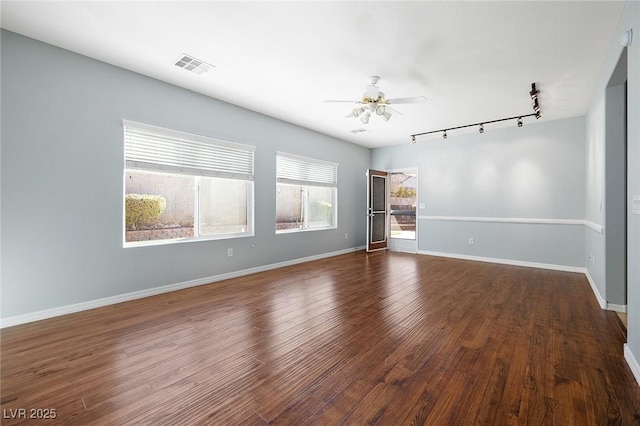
(532, 172)
(62, 181)
(595, 181)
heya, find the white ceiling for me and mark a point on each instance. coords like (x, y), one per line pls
(474, 61)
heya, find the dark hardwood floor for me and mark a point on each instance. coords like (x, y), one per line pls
(384, 338)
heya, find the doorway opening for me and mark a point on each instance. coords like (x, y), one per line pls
(403, 196)
(616, 187)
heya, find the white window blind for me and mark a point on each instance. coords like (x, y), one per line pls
(156, 149)
(298, 170)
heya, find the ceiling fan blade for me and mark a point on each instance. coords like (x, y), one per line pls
(340, 101)
(410, 100)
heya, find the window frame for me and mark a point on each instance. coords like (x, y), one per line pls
(292, 169)
(216, 166)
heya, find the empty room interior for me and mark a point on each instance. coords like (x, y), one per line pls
(388, 212)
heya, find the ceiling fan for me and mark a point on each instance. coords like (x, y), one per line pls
(374, 102)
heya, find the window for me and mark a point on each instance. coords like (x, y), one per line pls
(180, 186)
(306, 197)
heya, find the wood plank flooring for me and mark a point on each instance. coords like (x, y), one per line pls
(381, 338)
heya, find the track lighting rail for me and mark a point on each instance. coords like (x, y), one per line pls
(474, 124)
(536, 107)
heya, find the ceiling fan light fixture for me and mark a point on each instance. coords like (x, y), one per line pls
(371, 91)
(374, 102)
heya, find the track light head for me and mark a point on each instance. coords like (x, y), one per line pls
(481, 129)
(538, 115)
(413, 139)
(520, 122)
(444, 135)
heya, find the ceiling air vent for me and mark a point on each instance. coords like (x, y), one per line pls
(192, 64)
(357, 131)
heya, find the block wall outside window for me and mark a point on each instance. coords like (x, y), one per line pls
(181, 187)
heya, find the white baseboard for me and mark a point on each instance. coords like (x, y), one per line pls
(92, 304)
(553, 267)
(601, 300)
(633, 362)
(617, 308)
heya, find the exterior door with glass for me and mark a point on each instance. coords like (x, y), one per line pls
(377, 215)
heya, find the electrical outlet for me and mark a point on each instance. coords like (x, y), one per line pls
(229, 252)
(470, 240)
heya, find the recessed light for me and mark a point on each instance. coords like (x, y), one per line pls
(192, 64)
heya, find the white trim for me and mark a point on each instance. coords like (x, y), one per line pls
(594, 226)
(617, 308)
(550, 266)
(601, 300)
(504, 220)
(588, 224)
(97, 303)
(632, 362)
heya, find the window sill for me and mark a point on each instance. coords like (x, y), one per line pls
(168, 241)
(294, 231)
